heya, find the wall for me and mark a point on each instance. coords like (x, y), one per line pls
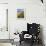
(3, 1)
(34, 12)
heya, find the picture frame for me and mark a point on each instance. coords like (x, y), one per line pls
(20, 13)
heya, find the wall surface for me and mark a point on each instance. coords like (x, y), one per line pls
(34, 13)
(3, 1)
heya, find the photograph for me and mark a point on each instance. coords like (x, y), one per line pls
(20, 13)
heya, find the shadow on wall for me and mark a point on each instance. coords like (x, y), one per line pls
(41, 34)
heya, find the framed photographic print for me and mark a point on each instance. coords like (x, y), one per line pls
(20, 13)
